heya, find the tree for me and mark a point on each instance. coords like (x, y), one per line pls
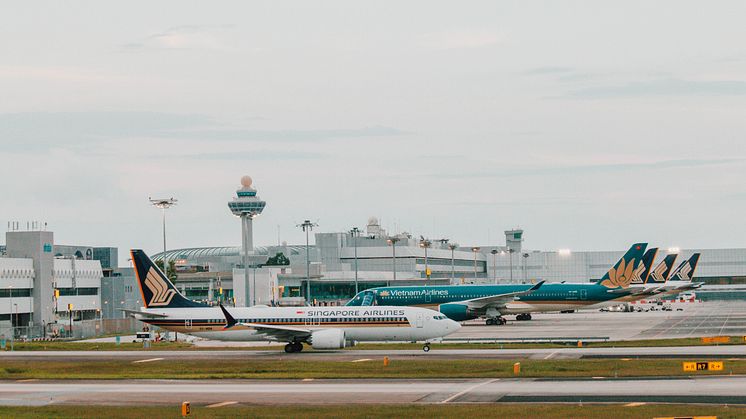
(171, 271)
(278, 260)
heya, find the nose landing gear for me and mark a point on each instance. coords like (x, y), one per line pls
(426, 348)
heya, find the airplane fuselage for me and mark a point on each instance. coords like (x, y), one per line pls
(358, 323)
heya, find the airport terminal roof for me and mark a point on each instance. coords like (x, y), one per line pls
(193, 253)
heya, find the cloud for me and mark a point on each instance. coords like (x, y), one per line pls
(211, 37)
(35, 131)
(548, 70)
(594, 168)
(663, 87)
(257, 155)
(459, 39)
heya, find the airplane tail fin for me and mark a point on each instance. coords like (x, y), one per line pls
(659, 275)
(685, 271)
(156, 290)
(620, 275)
(640, 275)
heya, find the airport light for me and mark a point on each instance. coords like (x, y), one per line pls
(355, 232)
(453, 247)
(163, 204)
(475, 249)
(510, 259)
(425, 244)
(525, 267)
(494, 265)
(307, 226)
(392, 241)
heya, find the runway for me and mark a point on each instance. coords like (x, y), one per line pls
(726, 351)
(719, 390)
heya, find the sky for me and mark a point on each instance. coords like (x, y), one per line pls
(591, 125)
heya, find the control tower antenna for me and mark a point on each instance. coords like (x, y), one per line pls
(247, 206)
(163, 204)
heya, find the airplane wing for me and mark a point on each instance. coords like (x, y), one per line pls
(280, 333)
(499, 299)
(143, 314)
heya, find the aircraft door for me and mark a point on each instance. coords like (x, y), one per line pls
(419, 321)
(428, 297)
(583, 294)
(188, 323)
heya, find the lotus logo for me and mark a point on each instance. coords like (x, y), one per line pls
(621, 276)
(384, 293)
(162, 295)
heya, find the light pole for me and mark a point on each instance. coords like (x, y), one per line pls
(453, 247)
(392, 241)
(475, 249)
(494, 265)
(307, 226)
(12, 326)
(355, 232)
(425, 243)
(525, 268)
(163, 204)
(510, 259)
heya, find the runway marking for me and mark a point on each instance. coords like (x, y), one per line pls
(634, 404)
(472, 388)
(28, 380)
(551, 355)
(147, 360)
(598, 378)
(362, 360)
(307, 379)
(221, 404)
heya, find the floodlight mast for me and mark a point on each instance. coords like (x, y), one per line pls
(163, 204)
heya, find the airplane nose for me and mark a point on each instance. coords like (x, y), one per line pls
(453, 325)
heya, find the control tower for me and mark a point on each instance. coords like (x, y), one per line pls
(247, 206)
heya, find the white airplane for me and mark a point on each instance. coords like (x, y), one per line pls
(320, 327)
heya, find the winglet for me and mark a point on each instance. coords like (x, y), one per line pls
(536, 287)
(229, 320)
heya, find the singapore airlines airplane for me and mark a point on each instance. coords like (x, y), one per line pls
(320, 327)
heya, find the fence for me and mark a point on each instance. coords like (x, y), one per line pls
(80, 329)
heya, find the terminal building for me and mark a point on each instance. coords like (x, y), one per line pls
(44, 285)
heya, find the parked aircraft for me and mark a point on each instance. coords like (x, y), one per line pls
(464, 302)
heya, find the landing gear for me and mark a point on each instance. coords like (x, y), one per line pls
(426, 348)
(523, 316)
(496, 321)
(293, 347)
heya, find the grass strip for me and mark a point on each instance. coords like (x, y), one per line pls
(476, 411)
(299, 369)
(170, 346)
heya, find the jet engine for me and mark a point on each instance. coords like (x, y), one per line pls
(457, 312)
(328, 339)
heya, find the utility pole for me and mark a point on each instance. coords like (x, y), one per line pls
(307, 226)
(355, 232)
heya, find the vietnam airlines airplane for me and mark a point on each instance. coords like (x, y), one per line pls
(465, 302)
(320, 327)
